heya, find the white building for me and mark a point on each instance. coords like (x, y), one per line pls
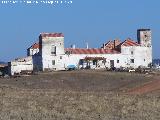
(52, 51)
(34, 49)
(53, 56)
(20, 64)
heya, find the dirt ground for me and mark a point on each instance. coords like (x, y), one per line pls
(81, 95)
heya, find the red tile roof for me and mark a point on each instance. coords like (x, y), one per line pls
(94, 58)
(108, 42)
(111, 44)
(34, 46)
(91, 51)
(52, 35)
(129, 42)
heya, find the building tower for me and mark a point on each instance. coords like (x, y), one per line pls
(145, 40)
(51, 49)
(144, 37)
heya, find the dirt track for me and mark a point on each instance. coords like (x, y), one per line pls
(151, 86)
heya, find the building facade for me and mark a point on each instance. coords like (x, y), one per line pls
(34, 49)
(52, 55)
(20, 64)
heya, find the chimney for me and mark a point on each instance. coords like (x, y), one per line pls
(103, 46)
(73, 46)
(116, 43)
(87, 45)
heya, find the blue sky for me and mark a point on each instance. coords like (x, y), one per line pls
(94, 21)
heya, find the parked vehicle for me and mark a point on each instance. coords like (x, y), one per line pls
(71, 67)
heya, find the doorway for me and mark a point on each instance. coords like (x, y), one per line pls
(112, 63)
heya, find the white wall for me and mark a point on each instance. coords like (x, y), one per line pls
(18, 65)
(142, 55)
(33, 51)
(48, 57)
(73, 59)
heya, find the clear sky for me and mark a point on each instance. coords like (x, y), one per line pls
(94, 21)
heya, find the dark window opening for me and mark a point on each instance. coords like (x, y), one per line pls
(132, 60)
(94, 62)
(53, 62)
(131, 52)
(81, 62)
(68, 52)
(53, 49)
(117, 61)
(145, 36)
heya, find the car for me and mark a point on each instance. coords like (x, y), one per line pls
(71, 67)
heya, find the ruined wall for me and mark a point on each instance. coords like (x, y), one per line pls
(109, 45)
(20, 64)
(144, 37)
(112, 45)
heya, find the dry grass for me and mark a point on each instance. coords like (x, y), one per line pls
(85, 96)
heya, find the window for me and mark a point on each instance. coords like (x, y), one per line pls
(131, 52)
(145, 36)
(132, 60)
(68, 52)
(117, 61)
(94, 62)
(144, 60)
(60, 57)
(53, 49)
(81, 62)
(53, 62)
(32, 52)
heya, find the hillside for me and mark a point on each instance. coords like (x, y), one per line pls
(2, 62)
